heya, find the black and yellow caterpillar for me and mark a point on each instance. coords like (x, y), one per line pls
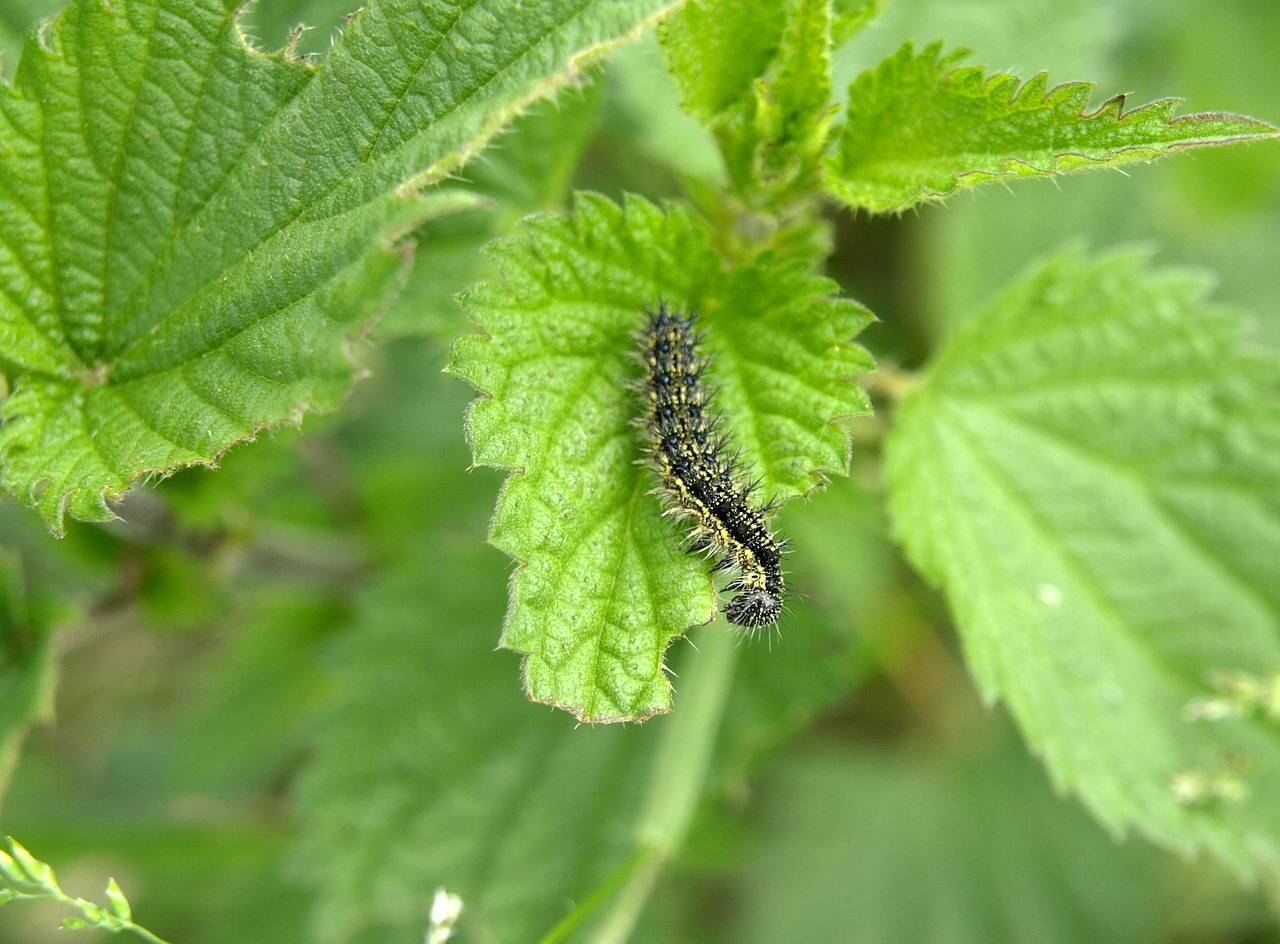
(701, 472)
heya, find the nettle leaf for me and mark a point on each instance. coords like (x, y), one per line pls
(716, 49)
(604, 584)
(800, 92)
(850, 16)
(760, 77)
(920, 126)
(432, 771)
(1091, 471)
(190, 230)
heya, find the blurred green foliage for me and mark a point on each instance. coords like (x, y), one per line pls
(280, 717)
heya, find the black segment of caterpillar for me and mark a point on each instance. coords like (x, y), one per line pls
(701, 473)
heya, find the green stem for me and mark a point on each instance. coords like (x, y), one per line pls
(678, 775)
(145, 934)
(121, 924)
(602, 893)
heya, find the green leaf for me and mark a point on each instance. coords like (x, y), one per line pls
(1091, 471)
(604, 583)
(760, 77)
(26, 877)
(432, 771)
(850, 16)
(799, 95)
(920, 126)
(926, 848)
(524, 171)
(119, 904)
(23, 873)
(716, 49)
(16, 18)
(190, 230)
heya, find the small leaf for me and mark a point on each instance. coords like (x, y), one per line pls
(1091, 471)
(920, 126)
(850, 16)
(9, 868)
(94, 914)
(801, 90)
(760, 77)
(30, 869)
(191, 230)
(605, 584)
(35, 879)
(716, 49)
(119, 904)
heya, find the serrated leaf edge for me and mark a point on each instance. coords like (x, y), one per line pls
(948, 66)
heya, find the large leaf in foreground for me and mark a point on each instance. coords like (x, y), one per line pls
(604, 584)
(920, 126)
(1091, 472)
(190, 229)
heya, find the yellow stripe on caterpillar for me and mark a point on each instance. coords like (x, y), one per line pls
(699, 470)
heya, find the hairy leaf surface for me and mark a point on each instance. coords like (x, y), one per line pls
(605, 584)
(1091, 471)
(716, 49)
(921, 126)
(190, 230)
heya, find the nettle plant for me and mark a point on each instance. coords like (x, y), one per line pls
(193, 231)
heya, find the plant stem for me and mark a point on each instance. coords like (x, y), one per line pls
(894, 382)
(599, 896)
(677, 777)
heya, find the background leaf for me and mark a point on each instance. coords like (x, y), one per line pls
(605, 584)
(434, 772)
(1090, 472)
(919, 127)
(716, 49)
(866, 845)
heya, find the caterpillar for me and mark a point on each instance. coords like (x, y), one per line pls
(700, 471)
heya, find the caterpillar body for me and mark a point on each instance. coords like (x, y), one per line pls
(700, 470)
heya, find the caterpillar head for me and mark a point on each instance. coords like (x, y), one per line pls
(754, 609)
